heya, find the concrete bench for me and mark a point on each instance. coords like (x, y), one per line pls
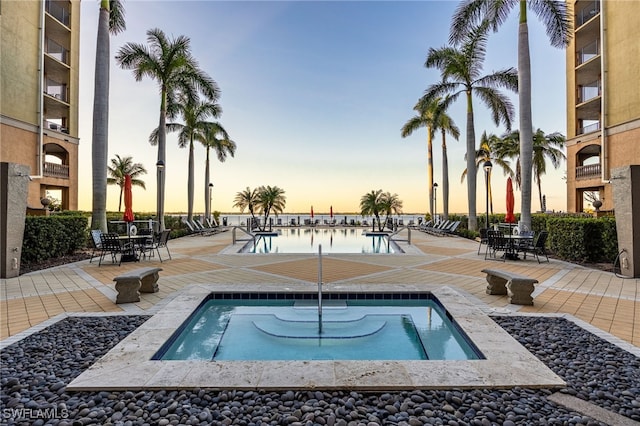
(130, 284)
(518, 287)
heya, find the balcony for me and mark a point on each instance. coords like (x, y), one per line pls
(56, 51)
(56, 90)
(587, 12)
(56, 170)
(588, 91)
(589, 171)
(589, 128)
(58, 10)
(588, 52)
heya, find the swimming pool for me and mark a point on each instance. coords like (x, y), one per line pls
(333, 240)
(351, 327)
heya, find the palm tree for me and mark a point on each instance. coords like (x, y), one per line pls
(195, 115)
(172, 65)
(491, 149)
(271, 199)
(215, 137)
(425, 117)
(544, 147)
(461, 74)
(247, 199)
(371, 204)
(446, 125)
(110, 20)
(121, 166)
(555, 17)
(391, 204)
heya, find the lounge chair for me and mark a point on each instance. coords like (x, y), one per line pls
(449, 229)
(193, 229)
(204, 229)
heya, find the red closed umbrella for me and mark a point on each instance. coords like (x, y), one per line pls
(311, 212)
(510, 218)
(331, 212)
(128, 204)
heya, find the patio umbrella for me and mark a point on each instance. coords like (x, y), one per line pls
(311, 212)
(331, 212)
(510, 218)
(128, 204)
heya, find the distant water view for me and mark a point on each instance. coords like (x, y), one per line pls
(301, 219)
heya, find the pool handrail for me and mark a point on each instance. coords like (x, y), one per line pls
(234, 239)
(398, 230)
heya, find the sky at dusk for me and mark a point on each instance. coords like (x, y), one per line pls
(314, 94)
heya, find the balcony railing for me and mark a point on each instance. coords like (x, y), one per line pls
(592, 127)
(56, 170)
(589, 171)
(588, 52)
(56, 89)
(588, 91)
(587, 12)
(62, 14)
(56, 51)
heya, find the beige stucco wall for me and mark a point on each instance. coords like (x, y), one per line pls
(20, 59)
(622, 64)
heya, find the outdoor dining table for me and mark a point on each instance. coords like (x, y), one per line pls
(515, 241)
(134, 241)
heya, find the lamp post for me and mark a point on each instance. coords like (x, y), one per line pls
(159, 194)
(435, 201)
(210, 191)
(487, 169)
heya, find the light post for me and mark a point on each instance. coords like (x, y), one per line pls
(435, 201)
(487, 169)
(159, 195)
(210, 191)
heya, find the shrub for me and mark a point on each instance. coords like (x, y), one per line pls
(53, 236)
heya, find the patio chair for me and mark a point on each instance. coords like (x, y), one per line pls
(112, 244)
(157, 242)
(96, 242)
(538, 247)
(483, 238)
(496, 241)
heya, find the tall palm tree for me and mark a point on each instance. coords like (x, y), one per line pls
(110, 20)
(461, 69)
(122, 166)
(445, 124)
(555, 17)
(371, 204)
(170, 63)
(271, 199)
(545, 146)
(425, 117)
(215, 137)
(195, 115)
(390, 204)
(247, 199)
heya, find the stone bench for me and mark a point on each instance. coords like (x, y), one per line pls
(518, 287)
(130, 284)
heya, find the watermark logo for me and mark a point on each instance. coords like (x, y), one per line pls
(35, 413)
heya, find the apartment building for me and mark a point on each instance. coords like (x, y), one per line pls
(603, 97)
(39, 95)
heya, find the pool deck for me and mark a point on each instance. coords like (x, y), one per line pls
(606, 304)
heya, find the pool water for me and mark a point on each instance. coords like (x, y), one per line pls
(333, 240)
(288, 329)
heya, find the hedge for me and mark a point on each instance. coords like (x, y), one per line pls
(53, 236)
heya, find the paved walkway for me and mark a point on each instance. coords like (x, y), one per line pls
(599, 298)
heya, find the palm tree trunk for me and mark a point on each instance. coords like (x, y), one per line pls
(207, 192)
(526, 121)
(471, 165)
(100, 138)
(445, 177)
(190, 182)
(430, 168)
(161, 171)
